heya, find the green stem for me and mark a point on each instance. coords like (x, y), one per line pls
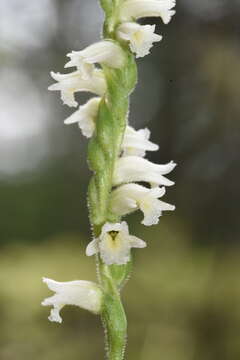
(104, 150)
(113, 316)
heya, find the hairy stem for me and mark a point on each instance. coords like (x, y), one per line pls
(113, 316)
(104, 149)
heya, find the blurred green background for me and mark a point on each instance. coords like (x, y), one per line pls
(183, 300)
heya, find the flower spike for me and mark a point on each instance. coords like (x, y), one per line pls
(116, 157)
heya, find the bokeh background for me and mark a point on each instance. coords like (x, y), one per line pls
(183, 300)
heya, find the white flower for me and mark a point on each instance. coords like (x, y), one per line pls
(133, 169)
(68, 84)
(85, 116)
(135, 9)
(141, 37)
(103, 52)
(136, 142)
(86, 69)
(130, 197)
(114, 244)
(84, 294)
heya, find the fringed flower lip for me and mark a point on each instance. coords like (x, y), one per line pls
(69, 84)
(85, 294)
(114, 244)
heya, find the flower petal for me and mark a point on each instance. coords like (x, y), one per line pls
(86, 117)
(144, 8)
(115, 243)
(141, 37)
(103, 52)
(144, 199)
(136, 242)
(71, 83)
(136, 142)
(133, 169)
(84, 294)
(92, 248)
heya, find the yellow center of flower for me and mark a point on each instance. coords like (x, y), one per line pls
(138, 37)
(113, 234)
(113, 240)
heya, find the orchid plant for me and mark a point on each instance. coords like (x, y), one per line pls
(116, 156)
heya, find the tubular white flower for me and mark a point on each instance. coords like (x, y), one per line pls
(84, 294)
(133, 168)
(136, 142)
(141, 37)
(68, 84)
(130, 197)
(85, 116)
(103, 52)
(135, 9)
(114, 244)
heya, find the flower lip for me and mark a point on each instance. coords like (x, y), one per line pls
(69, 84)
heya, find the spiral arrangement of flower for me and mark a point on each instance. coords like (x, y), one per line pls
(116, 156)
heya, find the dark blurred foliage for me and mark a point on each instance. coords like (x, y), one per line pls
(183, 300)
